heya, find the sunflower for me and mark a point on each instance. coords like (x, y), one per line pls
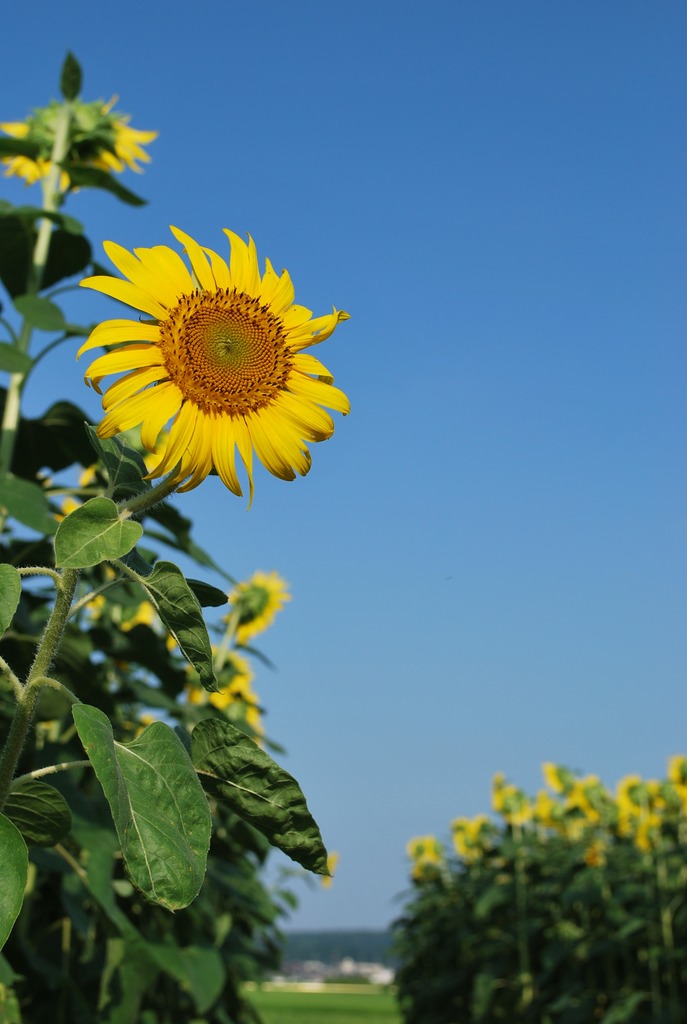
(222, 359)
(98, 137)
(256, 602)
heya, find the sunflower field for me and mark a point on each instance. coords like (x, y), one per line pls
(139, 794)
(567, 908)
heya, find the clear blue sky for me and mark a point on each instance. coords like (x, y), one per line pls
(487, 560)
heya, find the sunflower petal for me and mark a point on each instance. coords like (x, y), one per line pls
(318, 391)
(128, 293)
(201, 267)
(142, 272)
(128, 385)
(118, 332)
(128, 357)
(165, 402)
(197, 460)
(170, 265)
(223, 454)
(180, 435)
(220, 270)
(277, 291)
(243, 264)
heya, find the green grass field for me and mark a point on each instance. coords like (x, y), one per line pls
(288, 1007)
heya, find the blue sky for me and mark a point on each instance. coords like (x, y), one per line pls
(487, 560)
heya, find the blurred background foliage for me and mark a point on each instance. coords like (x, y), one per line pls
(569, 909)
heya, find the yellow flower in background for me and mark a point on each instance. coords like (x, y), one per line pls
(546, 811)
(586, 796)
(510, 802)
(144, 721)
(332, 862)
(557, 777)
(144, 615)
(629, 793)
(595, 854)
(256, 602)
(677, 770)
(222, 359)
(128, 143)
(99, 137)
(648, 831)
(426, 854)
(497, 786)
(552, 777)
(469, 835)
(237, 693)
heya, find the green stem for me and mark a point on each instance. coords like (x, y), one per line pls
(27, 703)
(39, 570)
(667, 934)
(142, 502)
(50, 769)
(527, 991)
(51, 202)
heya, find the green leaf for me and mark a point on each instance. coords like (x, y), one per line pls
(40, 812)
(157, 803)
(178, 607)
(10, 592)
(12, 360)
(40, 313)
(198, 970)
(94, 533)
(55, 439)
(10, 1012)
(208, 596)
(137, 563)
(94, 177)
(15, 866)
(124, 465)
(69, 254)
(16, 249)
(63, 220)
(19, 147)
(625, 1009)
(27, 502)
(258, 790)
(71, 77)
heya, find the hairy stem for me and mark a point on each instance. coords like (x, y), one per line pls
(51, 203)
(28, 701)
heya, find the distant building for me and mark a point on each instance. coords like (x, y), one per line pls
(315, 971)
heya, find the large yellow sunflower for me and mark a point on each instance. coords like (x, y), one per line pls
(223, 359)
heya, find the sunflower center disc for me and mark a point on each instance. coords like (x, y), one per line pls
(225, 351)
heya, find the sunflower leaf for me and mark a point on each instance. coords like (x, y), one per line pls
(10, 592)
(179, 609)
(238, 771)
(40, 313)
(64, 220)
(19, 147)
(15, 866)
(12, 360)
(94, 533)
(40, 812)
(94, 177)
(208, 596)
(26, 501)
(16, 247)
(69, 254)
(125, 466)
(71, 77)
(158, 806)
